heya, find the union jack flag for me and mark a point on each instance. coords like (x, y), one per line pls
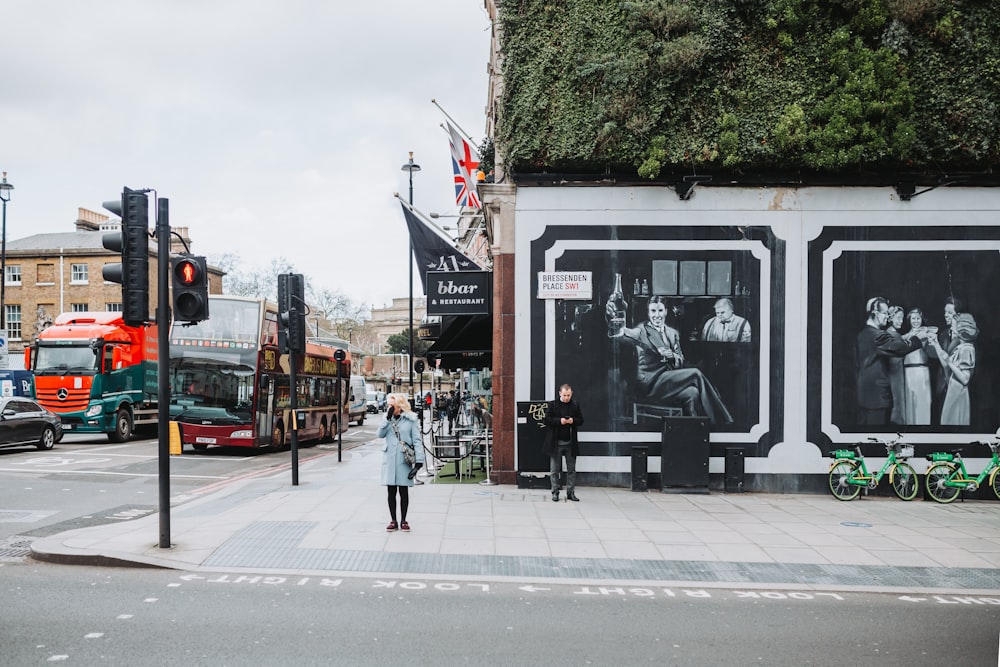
(465, 163)
(462, 193)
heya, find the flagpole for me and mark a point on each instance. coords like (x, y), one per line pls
(459, 127)
(424, 218)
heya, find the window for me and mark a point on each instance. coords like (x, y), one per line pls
(13, 319)
(13, 276)
(78, 273)
(78, 307)
(116, 308)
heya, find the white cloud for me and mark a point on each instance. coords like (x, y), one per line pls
(275, 130)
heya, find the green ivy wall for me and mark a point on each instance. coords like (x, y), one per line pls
(652, 87)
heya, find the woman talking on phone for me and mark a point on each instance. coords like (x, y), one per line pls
(401, 432)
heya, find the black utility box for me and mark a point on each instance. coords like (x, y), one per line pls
(684, 454)
(734, 469)
(640, 456)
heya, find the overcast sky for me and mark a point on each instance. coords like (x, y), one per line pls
(274, 129)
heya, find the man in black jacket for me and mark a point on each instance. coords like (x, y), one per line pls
(563, 418)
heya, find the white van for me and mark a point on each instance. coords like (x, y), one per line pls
(357, 400)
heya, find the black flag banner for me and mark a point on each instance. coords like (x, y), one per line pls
(431, 251)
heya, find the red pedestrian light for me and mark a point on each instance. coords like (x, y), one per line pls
(190, 289)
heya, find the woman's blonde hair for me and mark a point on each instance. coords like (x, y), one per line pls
(402, 402)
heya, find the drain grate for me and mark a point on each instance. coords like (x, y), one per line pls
(15, 548)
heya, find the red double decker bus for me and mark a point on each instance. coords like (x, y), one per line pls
(230, 383)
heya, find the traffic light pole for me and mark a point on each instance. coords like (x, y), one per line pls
(163, 359)
(293, 396)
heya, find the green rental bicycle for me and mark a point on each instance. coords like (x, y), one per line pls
(947, 476)
(849, 474)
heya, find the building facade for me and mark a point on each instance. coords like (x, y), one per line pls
(803, 270)
(50, 274)
(394, 319)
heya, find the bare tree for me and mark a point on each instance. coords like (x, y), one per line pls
(258, 282)
(262, 282)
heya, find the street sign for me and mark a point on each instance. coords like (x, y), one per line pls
(4, 350)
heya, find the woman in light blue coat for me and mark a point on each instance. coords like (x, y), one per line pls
(400, 423)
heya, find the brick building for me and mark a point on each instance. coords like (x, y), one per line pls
(49, 274)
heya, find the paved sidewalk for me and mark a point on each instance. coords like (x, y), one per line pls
(334, 521)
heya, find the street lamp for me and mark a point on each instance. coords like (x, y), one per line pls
(411, 167)
(5, 189)
(350, 344)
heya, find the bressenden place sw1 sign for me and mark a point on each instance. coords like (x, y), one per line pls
(459, 293)
(565, 285)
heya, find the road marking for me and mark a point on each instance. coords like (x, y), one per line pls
(80, 452)
(118, 474)
(54, 461)
(25, 516)
(590, 591)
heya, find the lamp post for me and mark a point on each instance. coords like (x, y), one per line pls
(5, 189)
(350, 344)
(411, 167)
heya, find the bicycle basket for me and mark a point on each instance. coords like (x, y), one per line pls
(941, 456)
(843, 454)
(904, 451)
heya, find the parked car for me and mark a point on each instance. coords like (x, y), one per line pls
(24, 422)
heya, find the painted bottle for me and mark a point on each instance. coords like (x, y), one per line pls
(616, 309)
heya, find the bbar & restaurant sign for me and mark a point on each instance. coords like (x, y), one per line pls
(459, 293)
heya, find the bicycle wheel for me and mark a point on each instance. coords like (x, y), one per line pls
(937, 475)
(840, 475)
(995, 482)
(904, 480)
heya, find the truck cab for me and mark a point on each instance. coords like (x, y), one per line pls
(96, 373)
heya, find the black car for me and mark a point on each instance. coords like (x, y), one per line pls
(24, 422)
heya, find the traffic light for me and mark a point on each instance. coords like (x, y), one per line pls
(292, 312)
(190, 288)
(132, 242)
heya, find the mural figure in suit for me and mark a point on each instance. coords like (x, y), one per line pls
(874, 347)
(947, 342)
(661, 373)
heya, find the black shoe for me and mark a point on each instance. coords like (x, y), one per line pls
(555, 497)
(572, 496)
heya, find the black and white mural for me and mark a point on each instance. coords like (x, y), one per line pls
(679, 324)
(790, 320)
(908, 341)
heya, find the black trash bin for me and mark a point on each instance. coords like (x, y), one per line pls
(684, 455)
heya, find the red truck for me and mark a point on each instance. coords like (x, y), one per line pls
(98, 374)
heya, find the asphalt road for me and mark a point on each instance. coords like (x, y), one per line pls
(87, 615)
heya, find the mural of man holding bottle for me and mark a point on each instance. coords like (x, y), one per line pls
(661, 373)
